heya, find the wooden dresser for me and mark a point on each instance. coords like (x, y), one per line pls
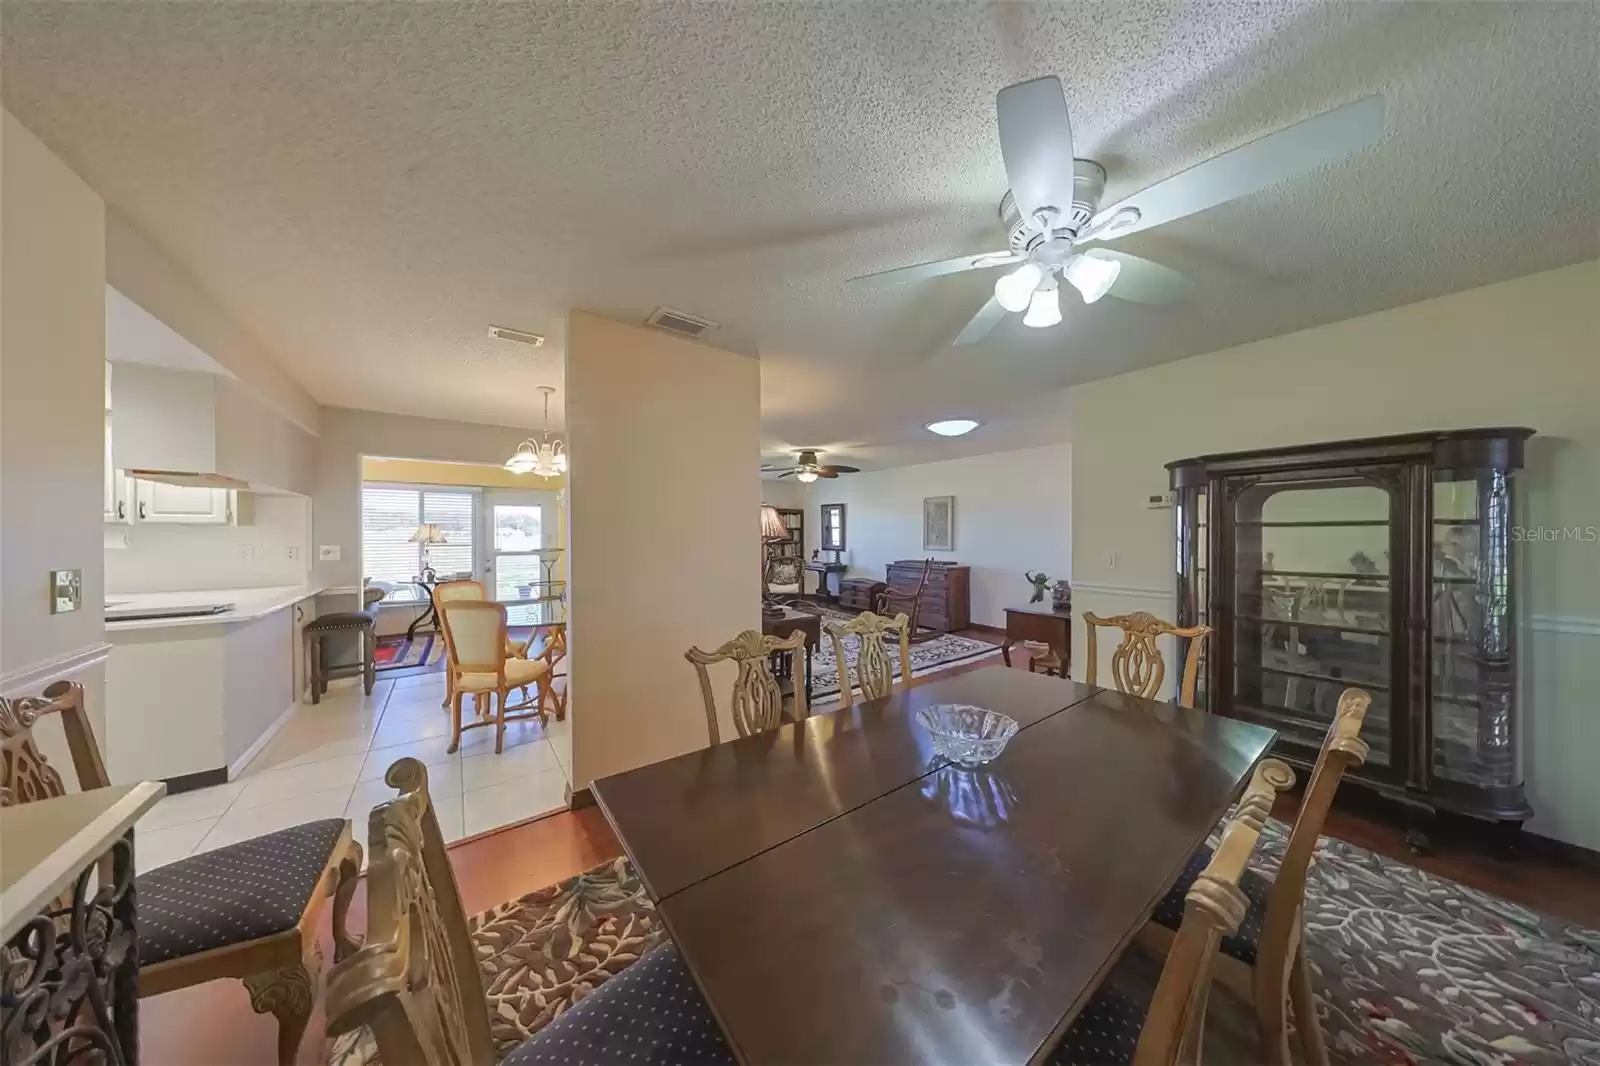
(946, 602)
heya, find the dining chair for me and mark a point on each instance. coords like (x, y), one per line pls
(1137, 665)
(1265, 964)
(653, 1012)
(874, 673)
(469, 589)
(414, 986)
(757, 696)
(479, 667)
(248, 910)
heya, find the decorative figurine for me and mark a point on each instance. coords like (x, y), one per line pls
(1040, 582)
(1061, 596)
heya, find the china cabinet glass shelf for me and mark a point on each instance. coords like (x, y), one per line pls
(1384, 563)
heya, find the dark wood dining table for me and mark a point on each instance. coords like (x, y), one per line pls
(842, 896)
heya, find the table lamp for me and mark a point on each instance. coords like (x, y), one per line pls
(773, 531)
(427, 535)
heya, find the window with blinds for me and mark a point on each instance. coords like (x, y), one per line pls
(390, 515)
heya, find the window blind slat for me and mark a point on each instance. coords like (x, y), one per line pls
(390, 516)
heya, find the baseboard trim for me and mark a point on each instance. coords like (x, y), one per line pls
(1576, 854)
(196, 780)
(238, 765)
(1555, 623)
(31, 680)
(579, 798)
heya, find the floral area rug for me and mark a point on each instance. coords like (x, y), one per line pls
(1412, 968)
(542, 953)
(947, 649)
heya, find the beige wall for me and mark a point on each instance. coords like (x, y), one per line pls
(144, 274)
(1013, 514)
(1521, 352)
(346, 436)
(659, 561)
(52, 420)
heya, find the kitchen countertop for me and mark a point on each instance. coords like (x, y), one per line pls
(248, 605)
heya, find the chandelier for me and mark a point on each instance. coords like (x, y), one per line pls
(545, 457)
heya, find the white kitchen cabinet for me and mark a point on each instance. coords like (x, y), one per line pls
(186, 504)
(118, 488)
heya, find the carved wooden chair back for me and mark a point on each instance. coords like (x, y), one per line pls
(415, 983)
(908, 602)
(1279, 945)
(1214, 908)
(757, 698)
(25, 774)
(785, 571)
(874, 673)
(1137, 666)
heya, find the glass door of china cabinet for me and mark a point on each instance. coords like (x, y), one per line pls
(1317, 604)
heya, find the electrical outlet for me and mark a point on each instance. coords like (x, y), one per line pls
(248, 553)
(294, 552)
(1111, 561)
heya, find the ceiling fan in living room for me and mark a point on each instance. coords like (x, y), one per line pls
(807, 469)
(1052, 210)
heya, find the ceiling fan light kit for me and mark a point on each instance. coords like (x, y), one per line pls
(807, 469)
(1045, 307)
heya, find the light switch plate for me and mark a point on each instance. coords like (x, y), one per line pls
(66, 591)
(328, 553)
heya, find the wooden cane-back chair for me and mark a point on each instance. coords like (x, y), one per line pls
(1137, 666)
(907, 601)
(415, 983)
(757, 696)
(874, 673)
(198, 920)
(1266, 965)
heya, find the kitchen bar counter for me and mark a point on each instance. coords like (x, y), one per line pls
(248, 605)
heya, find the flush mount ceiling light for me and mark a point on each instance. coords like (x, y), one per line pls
(953, 427)
(544, 458)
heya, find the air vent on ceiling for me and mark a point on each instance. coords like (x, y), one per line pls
(677, 322)
(506, 333)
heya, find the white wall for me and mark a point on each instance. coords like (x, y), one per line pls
(659, 560)
(346, 435)
(163, 557)
(1521, 352)
(1013, 513)
(52, 416)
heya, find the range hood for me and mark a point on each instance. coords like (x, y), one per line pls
(189, 478)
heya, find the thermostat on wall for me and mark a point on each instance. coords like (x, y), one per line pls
(1159, 501)
(328, 553)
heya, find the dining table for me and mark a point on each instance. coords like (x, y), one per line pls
(842, 894)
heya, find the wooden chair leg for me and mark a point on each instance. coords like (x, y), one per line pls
(369, 669)
(344, 888)
(456, 700)
(1304, 1003)
(499, 708)
(287, 993)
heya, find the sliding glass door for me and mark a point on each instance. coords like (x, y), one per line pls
(520, 567)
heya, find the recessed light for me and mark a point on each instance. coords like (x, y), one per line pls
(952, 427)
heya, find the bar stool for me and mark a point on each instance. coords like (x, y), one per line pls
(366, 623)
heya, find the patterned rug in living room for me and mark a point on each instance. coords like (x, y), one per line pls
(1409, 968)
(947, 649)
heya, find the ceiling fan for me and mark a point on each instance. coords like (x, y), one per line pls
(1053, 206)
(807, 469)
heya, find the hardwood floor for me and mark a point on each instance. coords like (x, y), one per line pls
(213, 1024)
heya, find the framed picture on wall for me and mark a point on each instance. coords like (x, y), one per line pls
(939, 523)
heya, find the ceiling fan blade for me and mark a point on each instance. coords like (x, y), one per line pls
(836, 469)
(773, 469)
(988, 317)
(786, 473)
(1266, 161)
(921, 271)
(1036, 143)
(825, 472)
(1144, 282)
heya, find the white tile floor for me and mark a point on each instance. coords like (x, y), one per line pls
(330, 760)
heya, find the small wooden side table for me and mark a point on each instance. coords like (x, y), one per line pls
(822, 570)
(782, 626)
(1041, 623)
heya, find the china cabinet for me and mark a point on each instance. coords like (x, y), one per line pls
(1385, 563)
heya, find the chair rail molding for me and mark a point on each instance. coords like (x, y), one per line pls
(31, 679)
(1558, 623)
(1134, 592)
